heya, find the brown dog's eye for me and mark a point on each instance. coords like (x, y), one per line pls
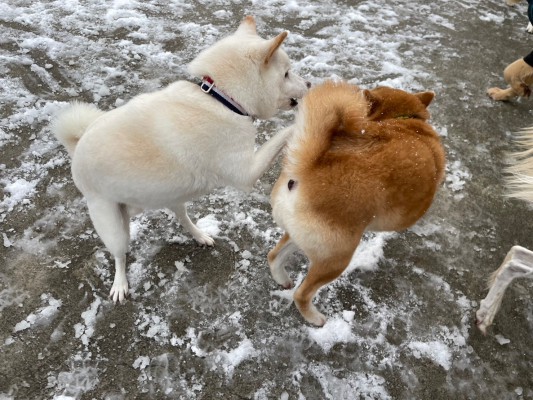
(290, 185)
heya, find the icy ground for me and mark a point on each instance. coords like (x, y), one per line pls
(211, 323)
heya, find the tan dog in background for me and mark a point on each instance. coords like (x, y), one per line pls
(518, 74)
(519, 77)
(358, 160)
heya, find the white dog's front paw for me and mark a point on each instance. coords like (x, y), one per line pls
(119, 290)
(529, 28)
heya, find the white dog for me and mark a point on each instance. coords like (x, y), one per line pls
(519, 261)
(163, 149)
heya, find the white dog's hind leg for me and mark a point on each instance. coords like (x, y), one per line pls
(119, 290)
(517, 263)
(200, 236)
(111, 222)
(529, 28)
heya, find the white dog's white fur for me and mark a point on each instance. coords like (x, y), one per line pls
(519, 260)
(165, 148)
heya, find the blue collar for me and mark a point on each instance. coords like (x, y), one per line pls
(208, 86)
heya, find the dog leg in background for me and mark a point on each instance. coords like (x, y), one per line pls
(518, 263)
(277, 257)
(519, 76)
(200, 236)
(111, 221)
(502, 94)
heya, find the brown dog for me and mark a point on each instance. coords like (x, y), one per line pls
(358, 160)
(519, 76)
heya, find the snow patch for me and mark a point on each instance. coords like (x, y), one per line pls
(437, 352)
(336, 330)
(43, 316)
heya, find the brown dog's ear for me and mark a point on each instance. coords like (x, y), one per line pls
(273, 45)
(425, 97)
(248, 26)
(373, 102)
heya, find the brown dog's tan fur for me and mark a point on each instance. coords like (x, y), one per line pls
(519, 76)
(358, 160)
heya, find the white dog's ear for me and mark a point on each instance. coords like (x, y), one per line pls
(247, 26)
(273, 45)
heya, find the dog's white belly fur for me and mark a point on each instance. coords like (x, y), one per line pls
(283, 207)
(160, 149)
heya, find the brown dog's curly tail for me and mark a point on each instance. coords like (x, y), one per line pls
(326, 110)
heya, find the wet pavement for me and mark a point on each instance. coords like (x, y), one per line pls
(211, 323)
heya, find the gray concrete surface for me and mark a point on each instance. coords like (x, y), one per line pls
(211, 323)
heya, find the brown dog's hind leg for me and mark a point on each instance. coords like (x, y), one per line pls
(320, 273)
(276, 260)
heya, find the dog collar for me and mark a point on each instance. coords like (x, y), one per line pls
(208, 86)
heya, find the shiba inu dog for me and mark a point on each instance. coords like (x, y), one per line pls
(165, 148)
(357, 160)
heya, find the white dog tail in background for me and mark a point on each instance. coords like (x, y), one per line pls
(519, 260)
(520, 184)
(71, 123)
(332, 109)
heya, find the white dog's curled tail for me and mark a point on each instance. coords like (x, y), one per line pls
(520, 183)
(71, 123)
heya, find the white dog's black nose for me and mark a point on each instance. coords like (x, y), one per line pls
(294, 102)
